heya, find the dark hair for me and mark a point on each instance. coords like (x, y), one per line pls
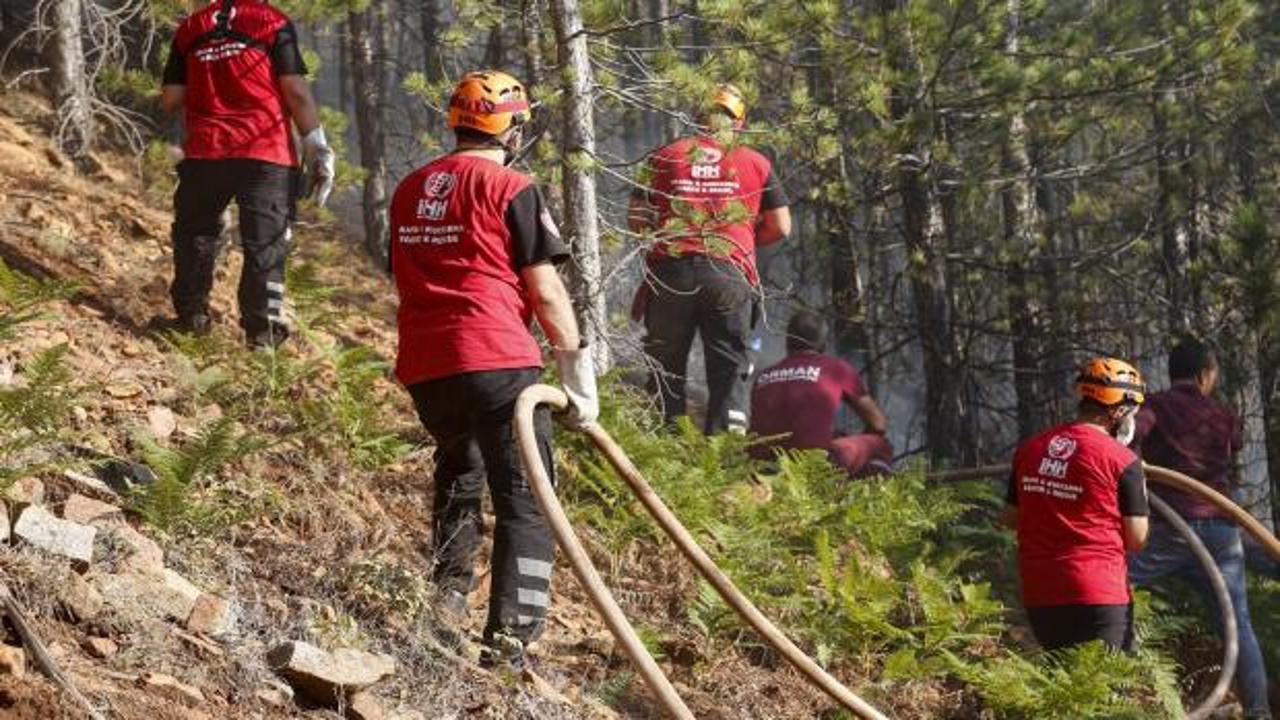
(472, 135)
(1189, 358)
(806, 331)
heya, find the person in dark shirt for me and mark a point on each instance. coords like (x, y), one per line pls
(1185, 429)
(798, 398)
(1078, 500)
(237, 73)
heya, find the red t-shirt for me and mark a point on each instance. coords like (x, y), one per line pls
(1072, 484)
(233, 105)
(708, 200)
(800, 397)
(462, 228)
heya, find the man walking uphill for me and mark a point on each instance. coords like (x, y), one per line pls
(1078, 499)
(473, 252)
(236, 70)
(710, 203)
(1185, 429)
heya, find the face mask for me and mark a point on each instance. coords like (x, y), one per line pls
(511, 150)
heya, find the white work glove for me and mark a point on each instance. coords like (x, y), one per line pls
(1127, 428)
(578, 376)
(319, 158)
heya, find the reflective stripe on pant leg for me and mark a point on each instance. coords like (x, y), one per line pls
(265, 210)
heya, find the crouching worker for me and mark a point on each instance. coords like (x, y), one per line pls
(1078, 499)
(474, 253)
(799, 397)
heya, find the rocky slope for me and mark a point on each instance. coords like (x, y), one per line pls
(315, 531)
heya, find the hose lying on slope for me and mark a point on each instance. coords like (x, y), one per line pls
(1230, 633)
(545, 494)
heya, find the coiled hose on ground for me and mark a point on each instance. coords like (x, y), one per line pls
(544, 492)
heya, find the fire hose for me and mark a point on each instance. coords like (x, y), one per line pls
(669, 699)
(586, 573)
(1172, 478)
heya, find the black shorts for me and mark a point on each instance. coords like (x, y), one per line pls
(1060, 626)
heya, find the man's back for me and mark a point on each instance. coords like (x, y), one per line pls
(800, 397)
(1067, 484)
(456, 261)
(1185, 430)
(233, 103)
(708, 197)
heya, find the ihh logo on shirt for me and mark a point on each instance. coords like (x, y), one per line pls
(1053, 468)
(437, 188)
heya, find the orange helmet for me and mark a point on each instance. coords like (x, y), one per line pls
(730, 98)
(1109, 381)
(490, 102)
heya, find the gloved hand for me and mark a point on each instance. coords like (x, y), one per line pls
(578, 376)
(1127, 427)
(319, 158)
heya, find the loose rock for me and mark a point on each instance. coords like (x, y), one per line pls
(212, 615)
(165, 594)
(80, 599)
(90, 486)
(126, 550)
(39, 528)
(100, 648)
(25, 492)
(162, 422)
(169, 688)
(364, 706)
(87, 511)
(324, 677)
(13, 661)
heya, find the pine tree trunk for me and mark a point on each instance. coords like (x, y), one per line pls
(578, 145)
(1025, 295)
(1171, 218)
(64, 53)
(367, 43)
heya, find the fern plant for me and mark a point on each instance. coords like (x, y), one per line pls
(169, 500)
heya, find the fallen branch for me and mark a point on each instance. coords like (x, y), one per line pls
(40, 653)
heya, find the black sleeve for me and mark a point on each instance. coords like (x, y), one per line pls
(774, 196)
(286, 56)
(534, 235)
(175, 69)
(1011, 494)
(1133, 491)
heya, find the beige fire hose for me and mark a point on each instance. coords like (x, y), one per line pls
(540, 484)
(545, 494)
(1172, 478)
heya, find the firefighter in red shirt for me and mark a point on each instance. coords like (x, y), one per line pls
(1078, 499)
(236, 71)
(710, 202)
(474, 252)
(799, 398)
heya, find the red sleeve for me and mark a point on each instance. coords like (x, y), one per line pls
(852, 387)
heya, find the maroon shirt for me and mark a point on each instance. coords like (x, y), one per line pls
(1183, 429)
(1072, 484)
(800, 397)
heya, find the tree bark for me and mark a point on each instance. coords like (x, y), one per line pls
(578, 152)
(367, 45)
(1025, 296)
(72, 98)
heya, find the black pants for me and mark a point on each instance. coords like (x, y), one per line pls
(1062, 626)
(710, 297)
(470, 416)
(265, 195)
